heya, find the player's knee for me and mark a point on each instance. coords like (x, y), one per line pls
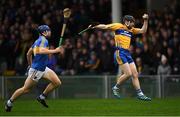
(57, 83)
(128, 74)
(135, 74)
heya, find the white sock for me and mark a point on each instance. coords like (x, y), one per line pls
(139, 92)
(115, 87)
(42, 97)
(9, 103)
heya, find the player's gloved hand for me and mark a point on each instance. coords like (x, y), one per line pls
(93, 24)
(90, 26)
(145, 17)
(62, 50)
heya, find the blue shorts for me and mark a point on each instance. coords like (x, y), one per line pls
(122, 56)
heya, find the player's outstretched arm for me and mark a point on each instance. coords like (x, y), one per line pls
(145, 24)
(101, 26)
(29, 56)
(48, 51)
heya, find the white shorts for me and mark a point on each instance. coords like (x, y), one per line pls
(35, 74)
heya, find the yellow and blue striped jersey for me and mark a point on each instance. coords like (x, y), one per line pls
(40, 61)
(123, 35)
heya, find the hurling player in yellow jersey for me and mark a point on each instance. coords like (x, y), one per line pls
(123, 35)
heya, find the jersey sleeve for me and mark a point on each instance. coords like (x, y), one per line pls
(43, 43)
(33, 45)
(115, 26)
(135, 30)
(46, 45)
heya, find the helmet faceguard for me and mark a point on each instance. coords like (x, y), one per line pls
(129, 21)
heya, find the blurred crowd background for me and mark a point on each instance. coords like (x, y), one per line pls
(156, 52)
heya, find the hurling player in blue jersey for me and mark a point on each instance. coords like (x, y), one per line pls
(38, 68)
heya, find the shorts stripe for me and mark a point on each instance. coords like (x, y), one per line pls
(33, 74)
(118, 58)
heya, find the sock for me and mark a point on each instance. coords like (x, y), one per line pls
(10, 102)
(139, 92)
(42, 96)
(117, 86)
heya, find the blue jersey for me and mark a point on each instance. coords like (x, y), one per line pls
(40, 61)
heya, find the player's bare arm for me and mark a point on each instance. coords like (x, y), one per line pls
(145, 24)
(29, 56)
(101, 26)
(43, 50)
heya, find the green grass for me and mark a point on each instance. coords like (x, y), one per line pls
(102, 107)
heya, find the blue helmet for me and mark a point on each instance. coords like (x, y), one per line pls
(43, 28)
(128, 18)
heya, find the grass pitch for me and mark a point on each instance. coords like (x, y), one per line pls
(95, 107)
